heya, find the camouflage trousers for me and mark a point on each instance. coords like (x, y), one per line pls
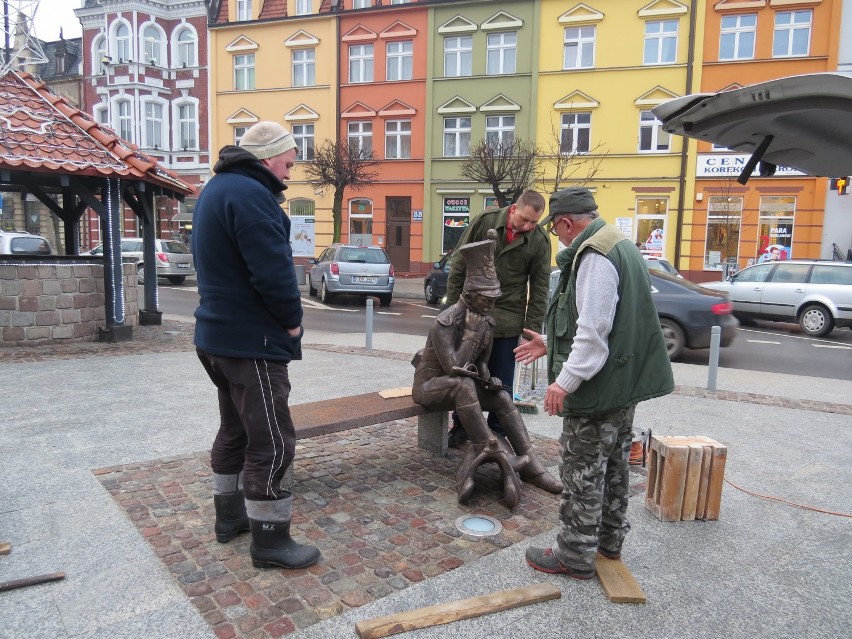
(595, 478)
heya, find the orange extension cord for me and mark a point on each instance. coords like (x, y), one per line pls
(790, 503)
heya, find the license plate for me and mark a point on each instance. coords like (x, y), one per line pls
(363, 279)
(183, 265)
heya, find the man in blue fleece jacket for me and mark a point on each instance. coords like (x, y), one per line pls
(248, 328)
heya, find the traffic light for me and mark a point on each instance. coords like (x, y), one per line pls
(841, 185)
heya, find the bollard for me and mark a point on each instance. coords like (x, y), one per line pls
(369, 323)
(715, 340)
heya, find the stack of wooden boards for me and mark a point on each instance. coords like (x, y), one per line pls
(685, 478)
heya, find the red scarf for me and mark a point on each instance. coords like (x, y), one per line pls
(510, 235)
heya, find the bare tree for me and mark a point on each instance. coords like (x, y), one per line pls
(568, 163)
(508, 168)
(337, 165)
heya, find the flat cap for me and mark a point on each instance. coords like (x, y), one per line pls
(574, 199)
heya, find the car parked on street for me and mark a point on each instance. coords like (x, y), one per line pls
(14, 243)
(659, 264)
(688, 313)
(815, 293)
(174, 259)
(435, 283)
(351, 269)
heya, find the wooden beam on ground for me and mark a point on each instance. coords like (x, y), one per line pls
(5, 547)
(30, 581)
(618, 582)
(455, 611)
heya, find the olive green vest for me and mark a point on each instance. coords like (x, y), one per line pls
(638, 366)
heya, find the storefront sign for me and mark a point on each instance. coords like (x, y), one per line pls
(625, 225)
(456, 220)
(724, 165)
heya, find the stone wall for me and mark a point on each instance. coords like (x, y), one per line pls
(43, 301)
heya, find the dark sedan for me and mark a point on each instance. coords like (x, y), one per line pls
(435, 283)
(687, 313)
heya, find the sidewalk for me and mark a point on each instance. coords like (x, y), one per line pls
(104, 459)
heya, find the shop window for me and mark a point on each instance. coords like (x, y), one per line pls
(361, 222)
(456, 218)
(724, 217)
(775, 228)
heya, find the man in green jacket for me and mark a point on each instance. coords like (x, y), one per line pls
(522, 257)
(605, 354)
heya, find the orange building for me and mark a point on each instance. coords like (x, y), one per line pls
(383, 66)
(779, 217)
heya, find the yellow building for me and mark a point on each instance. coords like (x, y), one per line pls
(267, 66)
(603, 65)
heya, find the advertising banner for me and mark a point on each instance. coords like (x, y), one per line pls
(456, 220)
(302, 236)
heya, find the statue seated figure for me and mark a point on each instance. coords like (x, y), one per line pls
(451, 372)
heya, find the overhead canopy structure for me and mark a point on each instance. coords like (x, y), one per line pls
(803, 122)
(49, 148)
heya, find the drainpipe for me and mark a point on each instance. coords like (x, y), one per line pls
(684, 152)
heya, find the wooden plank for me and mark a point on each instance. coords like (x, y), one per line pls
(403, 391)
(701, 506)
(618, 582)
(693, 475)
(714, 484)
(651, 487)
(674, 482)
(5, 547)
(30, 581)
(455, 611)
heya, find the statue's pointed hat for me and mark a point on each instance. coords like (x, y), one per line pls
(479, 261)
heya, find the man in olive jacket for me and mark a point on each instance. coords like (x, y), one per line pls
(522, 257)
(605, 354)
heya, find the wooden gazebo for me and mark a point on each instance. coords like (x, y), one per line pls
(49, 148)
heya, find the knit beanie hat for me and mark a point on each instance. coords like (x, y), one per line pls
(266, 140)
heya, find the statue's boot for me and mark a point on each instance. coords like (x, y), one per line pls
(528, 464)
(483, 448)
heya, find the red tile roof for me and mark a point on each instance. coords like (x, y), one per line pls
(41, 132)
(274, 9)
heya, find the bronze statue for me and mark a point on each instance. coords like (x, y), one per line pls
(452, 373)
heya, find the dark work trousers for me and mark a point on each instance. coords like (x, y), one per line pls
(256, 434)
(502, 365)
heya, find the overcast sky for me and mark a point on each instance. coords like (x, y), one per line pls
(52, 15)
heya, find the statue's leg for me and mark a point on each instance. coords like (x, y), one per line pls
(483, 448)
(529, 466)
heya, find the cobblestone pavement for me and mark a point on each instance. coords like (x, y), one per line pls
(381, 510)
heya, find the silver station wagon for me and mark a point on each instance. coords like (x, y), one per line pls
(346, 268)
(817, 294)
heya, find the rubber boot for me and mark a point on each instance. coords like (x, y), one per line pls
(231, 518)
(531, 470)
(273, 547)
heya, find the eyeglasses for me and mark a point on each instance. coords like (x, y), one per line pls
(553, 226)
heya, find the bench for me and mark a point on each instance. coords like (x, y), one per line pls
(345, 413)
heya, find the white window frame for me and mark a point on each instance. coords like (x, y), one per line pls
(457, 131)
(360, 63)
(359, 135)
(154, 129)
(239, 132)
(737, 31)
(458, 56)
(186, 50)
(658, 34)
(123, 42)
(789, 30)
(578, 41)
(576, 126)
(400, 60)
(363, 239)
(101, 113)
(186, 126)
(304, 8)
(244, 70)
(725, 212)
(659, 140)
(304, 67)
(500, 129)
(244, 11)
(100, 50)
(501, 53)
(397, 139)
(361, 4)
(303, 134)
(153, 48)
(123, 117)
